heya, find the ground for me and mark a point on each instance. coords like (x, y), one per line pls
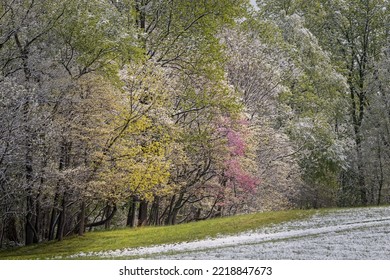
(361, 233)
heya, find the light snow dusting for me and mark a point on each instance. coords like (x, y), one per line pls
(362, 233)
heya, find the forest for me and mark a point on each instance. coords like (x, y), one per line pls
(118, 113)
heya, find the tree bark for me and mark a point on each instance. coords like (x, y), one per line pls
(61, 221)
(131, 214)
(154, 216)
(174, 209)
(104, 221)
(381, 174)
(10, 230)
(54, 216)
(143, 213)
(81, 227)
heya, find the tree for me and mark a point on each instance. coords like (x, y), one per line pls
(137, 163)
(360, 32)
(44, 50)
(259, 68)
(353, 33)
(376, 128)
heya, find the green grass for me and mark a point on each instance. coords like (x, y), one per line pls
(147, 236)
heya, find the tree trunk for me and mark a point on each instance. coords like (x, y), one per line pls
(10, 229)
(131, 215)
(81, 227)
(155, 212)
(361, 177)
(29, 230)
(174, 209)
(170, 209)
(61, 221)
(381, 175)
(63, 164)
(107, 215)
(54, 217)
(2, 230)
(38, 220)
(28, 156)
(104, 221)
(143, 213)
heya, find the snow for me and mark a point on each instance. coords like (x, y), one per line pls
(361, 233)
(254, 4)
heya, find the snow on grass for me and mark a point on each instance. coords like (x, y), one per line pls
(361, 233)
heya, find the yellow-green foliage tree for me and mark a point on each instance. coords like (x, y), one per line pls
(136, 160)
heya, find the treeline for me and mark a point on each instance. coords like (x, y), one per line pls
(144, 112)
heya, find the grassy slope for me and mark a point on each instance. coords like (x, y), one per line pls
(147, 236)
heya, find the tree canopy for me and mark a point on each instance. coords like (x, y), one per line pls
(146, 112)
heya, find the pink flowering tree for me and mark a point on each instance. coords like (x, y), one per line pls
(237, 175)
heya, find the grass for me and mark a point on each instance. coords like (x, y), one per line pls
(148, 236)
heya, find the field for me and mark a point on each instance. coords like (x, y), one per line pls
(89, 245)
(356, 233)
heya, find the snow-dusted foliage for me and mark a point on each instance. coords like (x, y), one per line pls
(150, 112)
